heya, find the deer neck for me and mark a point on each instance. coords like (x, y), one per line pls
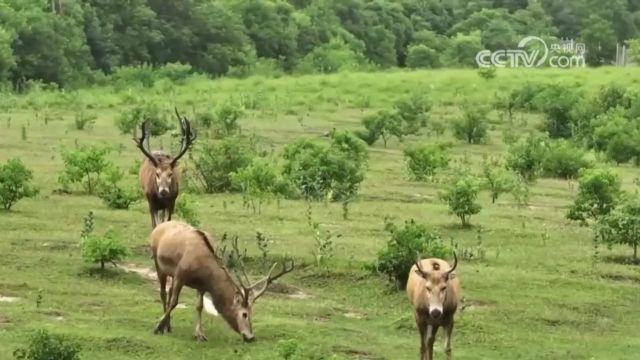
(223, 291)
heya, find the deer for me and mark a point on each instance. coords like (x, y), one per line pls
(434, 291)
(186, 254)
(160, 174)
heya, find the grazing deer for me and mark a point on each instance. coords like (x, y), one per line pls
(186, 254)
(160, 174)
(434, 291)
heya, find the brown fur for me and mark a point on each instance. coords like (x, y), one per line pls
(186, 254)
(160, 174)
(148, 176)
(425, 302)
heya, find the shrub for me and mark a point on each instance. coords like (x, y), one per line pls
(406, 245)
(129, 121)
(332, 57)
(46, 346)
(84, 165)
(226, 119)
(622, 225)
(473, 126)
(84, 119)
(422, 56)
(320, 172)
(413, 110)
(524, 98)
(526, 156)
(599, 191)
(385, 124)
(496, 178)
(185, 210)
(564, 160)
(349, 144)
(214, 162)
(461, 197)
(15, 183)
(557, 102)
(423, 161)
(113, 194)
(610, 97)
(260, 182)
(102, 249)
(140, 75)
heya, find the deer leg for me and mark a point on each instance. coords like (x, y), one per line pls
(448, 328)
(432, 330)
(168, 327)
(170, 208)
(152, 211)
(173, 302)
(199, 335)
(421, 329)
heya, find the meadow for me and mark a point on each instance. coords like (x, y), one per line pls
(538, 292)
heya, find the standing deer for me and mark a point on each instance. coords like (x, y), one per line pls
(186, 254)
(160, 173)
(434, 291)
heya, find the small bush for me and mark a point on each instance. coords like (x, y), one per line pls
(260, 182)
(385, 124)
(424, 161)
(406, 244)
(46, 346)
(610, 97)
(320, 172)
(422, 56)
(84, 165)
(622, 225)
(185, 209)
(461, 197)
(414, 111)
(526, 156)
(15, 183)
(557, 102)
(214, 162)
(564, 160)
(84, 119)
(524, 98)
(487, 73)
(496, 178)
(102, 249)
(113, 194)
(473, 126)
(226, 119)
(129, 121)
(599, 192)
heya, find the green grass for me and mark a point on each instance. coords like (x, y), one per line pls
(532, 297)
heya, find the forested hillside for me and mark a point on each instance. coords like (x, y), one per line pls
(77, 42)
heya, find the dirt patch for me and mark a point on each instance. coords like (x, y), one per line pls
(623, 278)
(469, 305)
(4, 320)
(353, 315)
(9, 299)
(144, 272)
(357, 354)
(287, 290)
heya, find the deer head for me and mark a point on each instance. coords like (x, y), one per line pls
(435, 284)
(247, 293)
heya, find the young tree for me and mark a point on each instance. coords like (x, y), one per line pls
(84, 165)
(15, 183)
(622, 225)
(472, 127)
(599, 192)
(461, 196)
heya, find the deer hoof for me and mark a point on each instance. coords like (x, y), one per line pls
(200, 337)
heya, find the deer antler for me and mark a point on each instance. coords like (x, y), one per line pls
(187, 137)
(140, 142)
(238, 263)
(287, 267)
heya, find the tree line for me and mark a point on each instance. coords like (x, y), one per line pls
(77, 42)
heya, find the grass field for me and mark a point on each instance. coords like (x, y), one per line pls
(537, 294)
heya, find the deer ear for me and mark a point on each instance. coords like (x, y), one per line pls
(449, 276)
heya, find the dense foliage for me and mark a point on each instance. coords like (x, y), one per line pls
(75, 42)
